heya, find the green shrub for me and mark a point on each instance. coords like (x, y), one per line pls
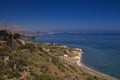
(46, 77)
(29, 46)
(90, 78)
(44, 69)
(14, 74)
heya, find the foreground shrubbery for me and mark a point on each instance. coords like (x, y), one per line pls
(34, 62)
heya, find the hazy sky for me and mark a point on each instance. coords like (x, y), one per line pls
(63, 15)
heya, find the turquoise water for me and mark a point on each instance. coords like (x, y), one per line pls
(101, 52)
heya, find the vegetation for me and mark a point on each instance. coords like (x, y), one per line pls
(8, 36)
(38, 65)
(38, 61)
(11, 39)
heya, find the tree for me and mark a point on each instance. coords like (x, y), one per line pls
(3, 35)
(16, 36)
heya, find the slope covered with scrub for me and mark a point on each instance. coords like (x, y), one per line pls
(39, 61)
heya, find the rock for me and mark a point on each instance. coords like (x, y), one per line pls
(6, 59)
(65, 56)
(22, 41)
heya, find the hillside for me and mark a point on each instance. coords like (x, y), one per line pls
(41, 61)
(34, 62)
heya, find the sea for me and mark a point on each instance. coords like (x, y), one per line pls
(101, 52)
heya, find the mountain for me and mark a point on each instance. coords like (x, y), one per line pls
(21, 30)
(11, 27)
(17, 29)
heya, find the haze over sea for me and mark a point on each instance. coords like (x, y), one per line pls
(101, 52)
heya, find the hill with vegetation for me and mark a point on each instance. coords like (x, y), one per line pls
(38, 61)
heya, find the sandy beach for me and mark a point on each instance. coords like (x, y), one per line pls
(94, 72)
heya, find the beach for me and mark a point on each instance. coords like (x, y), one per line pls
(94, 72)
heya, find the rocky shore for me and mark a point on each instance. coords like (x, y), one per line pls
(74, 56)
(77, 58)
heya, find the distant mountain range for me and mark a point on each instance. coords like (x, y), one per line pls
(11, 27)
(19, 29)
(22, 30)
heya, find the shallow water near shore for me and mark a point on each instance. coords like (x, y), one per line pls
(101, 52)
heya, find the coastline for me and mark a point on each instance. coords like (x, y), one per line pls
(94, 72)
(76, 58)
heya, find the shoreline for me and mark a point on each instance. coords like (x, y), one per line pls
(77, 60)
(94, 72)
(85, 68)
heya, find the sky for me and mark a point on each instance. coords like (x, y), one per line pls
(62, 15)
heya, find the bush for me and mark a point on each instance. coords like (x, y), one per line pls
(16, 36)
(44, 69)
(46, 77)
(14, 74)
(27, 46)
(90, 78)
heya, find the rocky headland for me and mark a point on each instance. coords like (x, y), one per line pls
(23, 60)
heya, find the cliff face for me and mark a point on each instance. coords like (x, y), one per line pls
(69, 54)
(73, 55)
(41, 61)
